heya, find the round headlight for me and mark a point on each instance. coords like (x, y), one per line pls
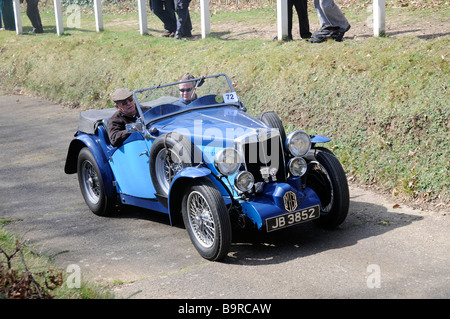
(244, 181)
(227, 161)
(298, 143)
(297, 166)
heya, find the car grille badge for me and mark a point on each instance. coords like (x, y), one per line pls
(290, 201)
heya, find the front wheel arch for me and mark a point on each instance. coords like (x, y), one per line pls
(176, 195)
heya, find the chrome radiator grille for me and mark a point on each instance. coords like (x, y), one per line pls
(263, 151)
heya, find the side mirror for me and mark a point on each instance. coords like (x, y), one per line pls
(243, 108)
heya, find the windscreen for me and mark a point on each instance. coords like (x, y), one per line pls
(168, 99)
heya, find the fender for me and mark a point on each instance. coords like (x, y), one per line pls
(176, 190)
(319, 139)
(86, 140)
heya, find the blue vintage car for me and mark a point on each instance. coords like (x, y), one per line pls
(209, 165)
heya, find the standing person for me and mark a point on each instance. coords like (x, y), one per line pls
(34, 16)
(7, 12)
(301, 6)
(333, 23)
(126, 113)
(165, 11)
(184, 24)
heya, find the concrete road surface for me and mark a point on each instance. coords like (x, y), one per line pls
(379, 252)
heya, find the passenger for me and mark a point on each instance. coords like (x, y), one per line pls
(126, 113)
(187, 92)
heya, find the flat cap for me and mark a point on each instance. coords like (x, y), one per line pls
(121, 94)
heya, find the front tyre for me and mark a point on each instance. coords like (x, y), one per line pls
(327, 178)
(206, 219)
(272, 120)
(91, 184)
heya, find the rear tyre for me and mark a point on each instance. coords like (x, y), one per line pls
(206, 219)
(91, 185)
(327, 178)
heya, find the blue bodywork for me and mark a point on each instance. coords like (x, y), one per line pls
(125, 170)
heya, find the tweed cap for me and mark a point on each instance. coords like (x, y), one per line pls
(121, 94)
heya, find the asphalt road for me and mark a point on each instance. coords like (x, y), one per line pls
(379, 252)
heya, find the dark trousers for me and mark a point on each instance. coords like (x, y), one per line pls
(165, 11)
(7, 11)
(184, 24)
(301, 6)
(33, 14)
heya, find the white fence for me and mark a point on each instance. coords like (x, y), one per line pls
(379, 17)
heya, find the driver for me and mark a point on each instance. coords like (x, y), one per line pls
(187, 92)
(126, 113)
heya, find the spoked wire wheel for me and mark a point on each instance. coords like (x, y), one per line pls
(169, 154)
(166, 168)
(327, 178)
(92, 185)
(89, 182)
(206, 219)
(201, 219)
(320, 181)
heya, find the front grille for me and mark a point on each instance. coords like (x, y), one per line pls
(264, 150)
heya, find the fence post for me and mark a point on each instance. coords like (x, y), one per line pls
(379, 18)
(204, 13)
(98, 15)
(17, 16)
(142, 7)
(58, 17)
(282, 19)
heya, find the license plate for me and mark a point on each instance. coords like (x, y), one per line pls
(293, 218)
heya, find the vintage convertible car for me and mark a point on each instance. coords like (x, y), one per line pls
(208, 164)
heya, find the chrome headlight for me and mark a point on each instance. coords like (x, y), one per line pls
(227, 161)
(298, 143)
(297, 166)
(244, 181)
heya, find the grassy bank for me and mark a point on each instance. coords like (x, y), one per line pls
(26, 274)
(384, 101)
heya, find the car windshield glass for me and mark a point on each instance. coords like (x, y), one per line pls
(168, 99)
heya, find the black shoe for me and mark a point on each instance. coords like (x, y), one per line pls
(346, 29)
(324, 34)
(168, 34)
(306, 35)
(340, 36)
